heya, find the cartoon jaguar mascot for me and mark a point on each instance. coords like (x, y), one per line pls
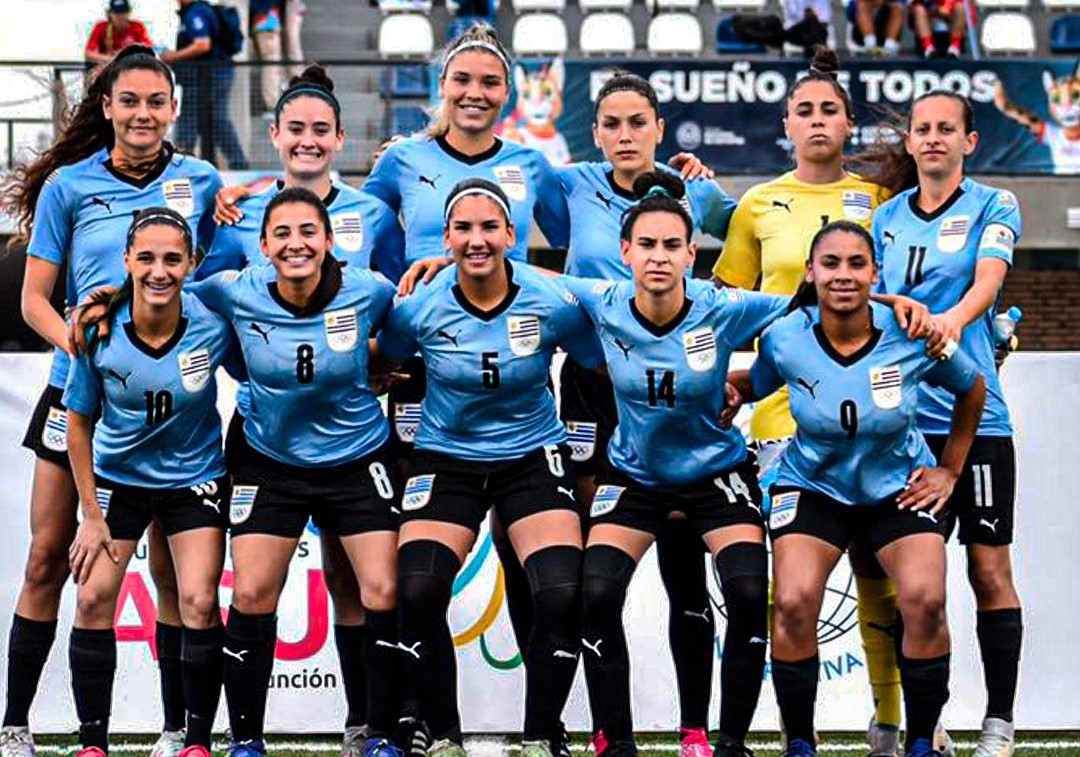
(539, 105)
(1062, 132)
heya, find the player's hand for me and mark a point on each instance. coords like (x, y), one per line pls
(226, 211)
(87, 315)
(91, 540)
(945, 336)
(1003, 349)
(690, 166)
(929, 488)
(913, 316)
(422, 272)
(732, 402)
(382, 382)
(383, 147)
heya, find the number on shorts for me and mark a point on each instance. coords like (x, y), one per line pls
(554, 460)
(305, 363)
(849, 418)
(383, 485)
(733, 488)
(158, 407)
(984, 485)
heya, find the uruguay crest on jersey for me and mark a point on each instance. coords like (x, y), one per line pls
(194, 369)
(700, 348)
(857, 206)
(179, 196)
(242, 503)
(417, 492)
(348, 231)
(952, 234)
(785, 507)
(606, 498)
(524, 334)
(581, 437)
(342, 331)
(512, 181)
(54, 435)
(886, 386)
(406, 420)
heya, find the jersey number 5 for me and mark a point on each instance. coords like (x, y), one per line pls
(489, 363)
(662, 391)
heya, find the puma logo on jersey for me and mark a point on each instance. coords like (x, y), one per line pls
(624, 347)
(780, 204)
(237, 655)
(928, 515)
(808, 387)
(605, 200)
(430, 182)
(122, 379)
(988, 524)
(594, 647)
(214, 504)
(107, 204)
(447, 335)
(889, 236)
(264, 333)
(564, 490)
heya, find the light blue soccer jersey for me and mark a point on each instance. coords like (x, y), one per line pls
(84, 212)
(159, 423)
(856, 439)
(310, 400)
(487, 372)
(932, 258)
(669, 381)
(415, 175)
(365, 231)
(597, 205)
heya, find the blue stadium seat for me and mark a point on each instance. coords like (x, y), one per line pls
(1065, 34)
(461, 23)
(405, 81)
(407, 119)
(728, 42)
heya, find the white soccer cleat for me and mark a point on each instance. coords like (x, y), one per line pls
(16, 741)
(883, 740)
(943, 741)
(996, 739)
(169, 744)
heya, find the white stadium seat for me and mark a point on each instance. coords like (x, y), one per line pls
(406, 35)
(690, 6)
(405, 6)
(1011, 4)
(540, 34)
(1058, 5)
(590, 6)
(1004, 33)
(526, 6)
(675, 34)
(730, 5)
(606, 34)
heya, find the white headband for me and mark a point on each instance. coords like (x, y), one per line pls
(478, 191)
(477, 43)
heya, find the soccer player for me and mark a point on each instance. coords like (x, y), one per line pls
(949, 241)
(156, 452)
(308, 133)
(76, 202)
(489, 438)
(858, 468)
(768, 240)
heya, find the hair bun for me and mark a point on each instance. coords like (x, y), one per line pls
(659, 183)
(825, 61)
(314, 75)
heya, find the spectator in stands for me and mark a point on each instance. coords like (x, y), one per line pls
(932, 19)
(115, 32)
(874, 21)
(295, 10)
(805, 24)
(204, 71)
(265, 24)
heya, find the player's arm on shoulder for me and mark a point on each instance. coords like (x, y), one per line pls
(383, 181)
(752, 312)
(219, 291)
(981, 296)
(763, 378)
(225, 254)
(739, 263)
(718, 207)
(575, 330)
(551, 211)
(388, 248)
(397, 337)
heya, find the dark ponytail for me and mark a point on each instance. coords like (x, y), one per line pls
(825, 67)
(313, 81)
(806, 295)
(657, 191)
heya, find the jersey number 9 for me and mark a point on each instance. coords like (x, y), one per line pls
(849, 418)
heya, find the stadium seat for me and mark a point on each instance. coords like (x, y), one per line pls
(723, 6)
(539, 34)
(1065, 35)
(591, 6)
(551, 6)
(606, 34)
(405, 81)
(728, 42)
(407, 119)
(405, 6)
(690, 6)
(1057, 5)
(406, 35)
(675, 34)
(1005, 33)
(1010, 4)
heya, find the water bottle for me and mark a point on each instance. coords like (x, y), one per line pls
(1005, 324)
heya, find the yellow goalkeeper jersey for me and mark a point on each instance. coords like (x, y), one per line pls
(769, 239)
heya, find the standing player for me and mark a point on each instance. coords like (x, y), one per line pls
(156, 452)
(489, 438)
(307, 132)
(769, 239)
(858, 468)
(76, 201)
(949, 241)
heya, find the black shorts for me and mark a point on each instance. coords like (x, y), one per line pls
(272, 498)
(236, 445)
(129, 509)
(984, 498)
(800, 511)
(46, 436)
(403, 408)
(587, 408)
(729, 498)
(449, 490)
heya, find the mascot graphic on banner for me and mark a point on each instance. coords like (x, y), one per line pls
(539, 105)
(1061, 133)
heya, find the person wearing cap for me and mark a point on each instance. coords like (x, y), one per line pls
(115, 32)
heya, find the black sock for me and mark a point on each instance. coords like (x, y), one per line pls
(519, 601)
(796, 694)
(349, 641)
(202, 671)
(92, 656)
(386, 672)
(249, 661)
(926, 690)
(170, 669)
(742, 568)
(1001, 634)
(28, 648)
(691, 626)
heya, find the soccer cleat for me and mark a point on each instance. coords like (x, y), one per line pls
(252, 748)
(598, 743)
(922, 748)
(694, 742)
(413, 737)
(799, 748)
(352, 743)
(446, 748)
(996, 739)
(561, 745)
(196, 750)
(728, 747)
(883, 740)
(379, 747)
(16, 741)
(169, 744)
(943, 741)
(536, 748)
(90, 751)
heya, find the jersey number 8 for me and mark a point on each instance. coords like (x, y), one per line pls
(305, 363)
